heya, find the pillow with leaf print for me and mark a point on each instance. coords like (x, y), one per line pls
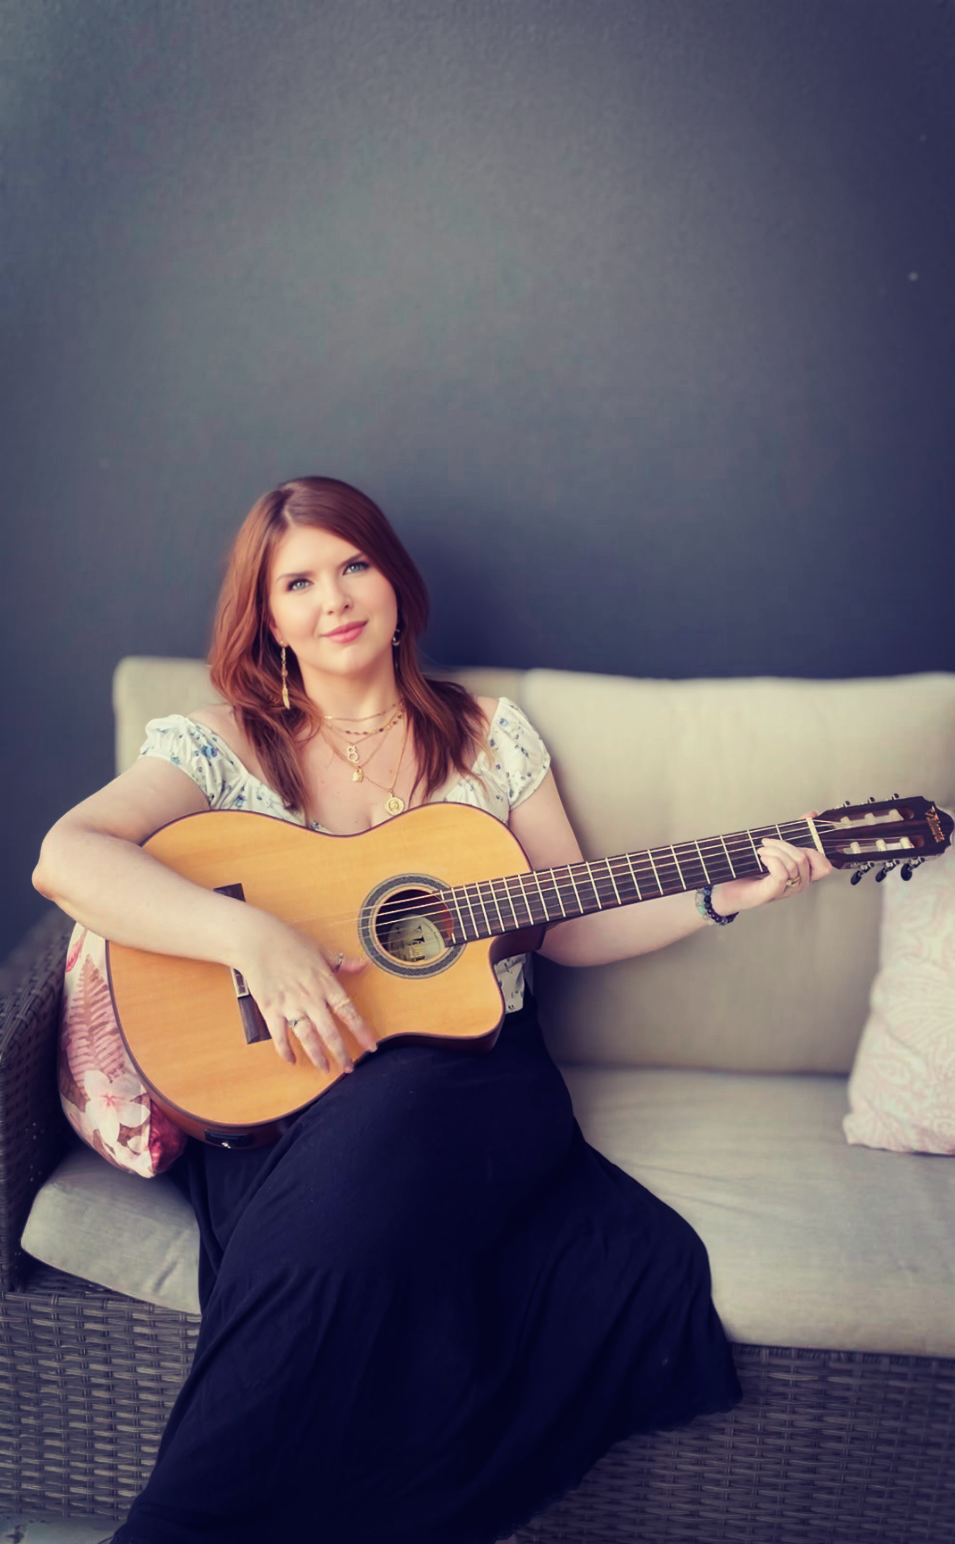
(104, 1098)
(902, 1088)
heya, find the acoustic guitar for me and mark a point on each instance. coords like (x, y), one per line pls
(431, 899)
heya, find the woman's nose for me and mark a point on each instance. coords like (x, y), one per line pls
(334, 597)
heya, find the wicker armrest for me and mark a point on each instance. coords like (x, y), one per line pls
(33, 1129)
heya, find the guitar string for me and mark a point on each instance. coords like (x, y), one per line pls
(562, 880)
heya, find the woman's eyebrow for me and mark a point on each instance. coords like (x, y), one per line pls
(306, 573)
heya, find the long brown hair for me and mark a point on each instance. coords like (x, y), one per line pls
(245, 661)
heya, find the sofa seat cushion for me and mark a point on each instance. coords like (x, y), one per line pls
(812, 1243)
(136, 1236)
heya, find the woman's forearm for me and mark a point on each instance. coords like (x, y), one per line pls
(624, 931)
(119, 891)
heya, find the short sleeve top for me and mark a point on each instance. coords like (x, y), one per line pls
(513, 765)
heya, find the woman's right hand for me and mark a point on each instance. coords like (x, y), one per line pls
(300, 992)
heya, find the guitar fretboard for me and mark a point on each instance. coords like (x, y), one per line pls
(491, 907)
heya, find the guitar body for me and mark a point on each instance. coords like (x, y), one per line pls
(181, 1019)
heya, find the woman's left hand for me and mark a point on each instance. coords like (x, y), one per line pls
(791, 870)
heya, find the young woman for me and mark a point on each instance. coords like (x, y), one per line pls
(430, 1306)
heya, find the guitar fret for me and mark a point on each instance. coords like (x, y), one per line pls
(525, 899)
(570, 875)
(585, 871)
(692, 867)
(728, 858)
(507, 897)
(488, 931)
(612, 881)
(496, 906)
(536, 878)
(678, 868)
(472, 923)
(514, 891)
(655, 874)
(703, 862)
(557, 895)
(451, 897)
(633, 875)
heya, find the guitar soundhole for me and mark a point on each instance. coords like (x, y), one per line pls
(406, 930)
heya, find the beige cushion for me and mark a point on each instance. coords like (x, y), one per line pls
(812, 1243)
(902, 1088)
(641, 763)
(137, 1236)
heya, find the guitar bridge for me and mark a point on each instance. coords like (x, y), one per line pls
(253, 1024)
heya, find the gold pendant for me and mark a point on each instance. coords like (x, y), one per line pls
(394, 805)
(358, 775)
(352, 754)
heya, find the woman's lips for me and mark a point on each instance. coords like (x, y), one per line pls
(345, 634)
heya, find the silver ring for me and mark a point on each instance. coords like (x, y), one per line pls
(791, 884)
(339, 961)
(292, 1022)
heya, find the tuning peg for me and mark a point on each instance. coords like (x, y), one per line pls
(885, 869)
(857, 876)
(872, 798)
(896, 796)
(846, 804)
(908, 869)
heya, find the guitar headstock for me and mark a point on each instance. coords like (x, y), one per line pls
(892, 832)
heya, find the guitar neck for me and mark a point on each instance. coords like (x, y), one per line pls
(493, 907)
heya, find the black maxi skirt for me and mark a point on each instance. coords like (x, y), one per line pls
(427, 1311)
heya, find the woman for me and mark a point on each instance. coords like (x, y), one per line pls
(430, 1307)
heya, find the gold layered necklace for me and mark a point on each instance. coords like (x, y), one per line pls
(394, 804)
(342, 718)
(350, 753)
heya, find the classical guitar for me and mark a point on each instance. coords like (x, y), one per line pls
(430, 899)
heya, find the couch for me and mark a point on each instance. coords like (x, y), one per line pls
(715, 1072)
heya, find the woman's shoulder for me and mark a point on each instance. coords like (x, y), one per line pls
(221, 719)
(513, 761)
(206, 734)
(489, 707)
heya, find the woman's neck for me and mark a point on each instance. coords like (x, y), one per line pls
(354, 700)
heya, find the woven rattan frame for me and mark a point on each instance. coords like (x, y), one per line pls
(826, 1447)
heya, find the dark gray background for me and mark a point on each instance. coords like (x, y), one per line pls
(635, 315)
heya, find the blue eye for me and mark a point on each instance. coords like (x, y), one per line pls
(359, 563)
(296, 582)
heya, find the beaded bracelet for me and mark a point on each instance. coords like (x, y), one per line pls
(704, 905)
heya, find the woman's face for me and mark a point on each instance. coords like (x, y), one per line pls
(330, 605)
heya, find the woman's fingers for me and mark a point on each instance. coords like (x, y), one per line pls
(793, 868)
(301, 994)
(320, 1015)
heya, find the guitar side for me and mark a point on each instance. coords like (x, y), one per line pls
(181, 1020)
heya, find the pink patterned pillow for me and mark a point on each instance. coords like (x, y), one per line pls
(105, 1100)
(902, 1088)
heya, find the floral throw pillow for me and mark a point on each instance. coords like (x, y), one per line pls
(104, 1098)
(902, 1088)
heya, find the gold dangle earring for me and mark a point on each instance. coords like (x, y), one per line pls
(285, 697)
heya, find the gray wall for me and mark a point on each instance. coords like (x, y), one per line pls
(635, 315)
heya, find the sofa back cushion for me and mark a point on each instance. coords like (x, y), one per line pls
(643, 763)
